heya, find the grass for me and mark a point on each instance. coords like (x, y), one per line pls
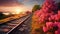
(16, 16)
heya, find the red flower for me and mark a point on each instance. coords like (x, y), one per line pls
(45, 29)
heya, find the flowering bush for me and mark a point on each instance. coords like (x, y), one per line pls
(47, 19)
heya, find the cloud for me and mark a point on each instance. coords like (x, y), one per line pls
(26, 0)
(10, 3)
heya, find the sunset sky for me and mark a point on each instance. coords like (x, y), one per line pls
(25, 5)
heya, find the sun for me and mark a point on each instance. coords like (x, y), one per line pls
(17, 11)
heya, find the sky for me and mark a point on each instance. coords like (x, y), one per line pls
(19, 2)
(26, 4)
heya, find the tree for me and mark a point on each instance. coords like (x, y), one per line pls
(36, 7)
(28, 12)
(1, 14)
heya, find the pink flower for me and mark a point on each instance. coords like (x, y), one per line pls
(57, 24)
(51, 13)
(52, 17)
(59, 12)
(49, 24)
(49, 19)
(41, 20)
(56, 17)
(49, 6)
(57, 32)
(45, 29)
(44, 6)
(37, 13)
(46, 10)
(47, 3)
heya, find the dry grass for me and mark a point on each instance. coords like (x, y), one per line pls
(12, 18)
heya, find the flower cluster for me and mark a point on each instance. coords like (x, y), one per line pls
(49, 16)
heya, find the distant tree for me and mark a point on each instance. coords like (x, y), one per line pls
(36, 7)
(28, 12)
(1, 14)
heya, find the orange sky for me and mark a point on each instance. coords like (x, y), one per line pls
(14, 9)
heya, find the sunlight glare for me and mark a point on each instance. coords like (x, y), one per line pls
(17, 11)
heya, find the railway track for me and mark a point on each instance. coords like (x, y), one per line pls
(23, 28)
(6, 28)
